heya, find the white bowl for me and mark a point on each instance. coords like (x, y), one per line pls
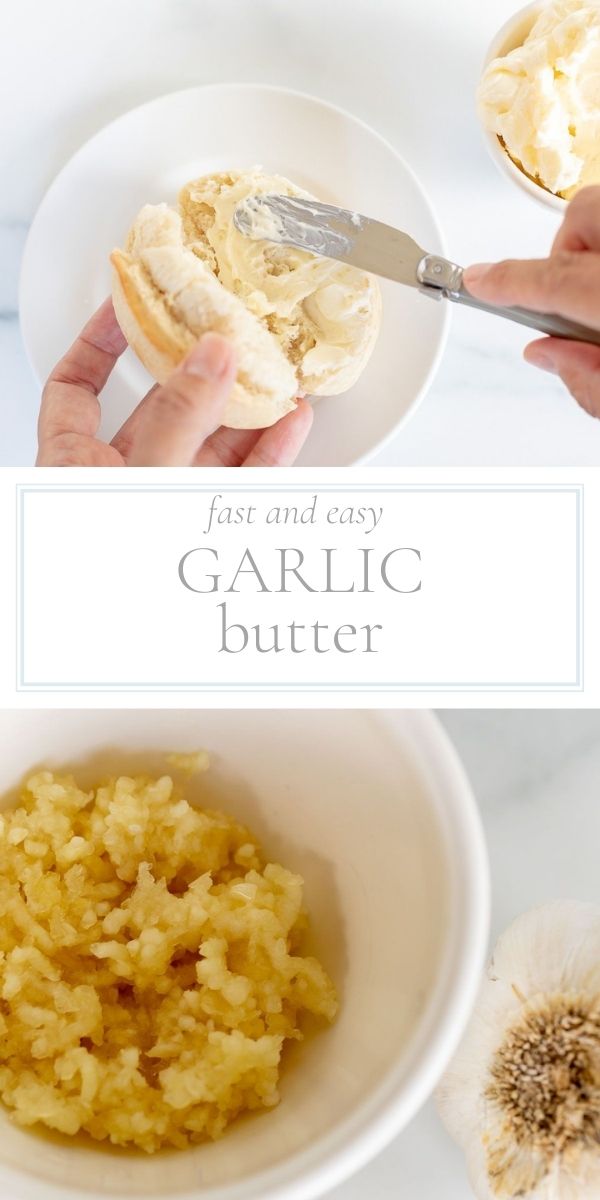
(511, 35)
(377, 814)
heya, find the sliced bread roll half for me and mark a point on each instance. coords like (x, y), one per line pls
(299, 323)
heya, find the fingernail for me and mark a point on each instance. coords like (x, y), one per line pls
(475, 273)
(209, 359)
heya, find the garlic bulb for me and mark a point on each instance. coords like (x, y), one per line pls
(522, 1095)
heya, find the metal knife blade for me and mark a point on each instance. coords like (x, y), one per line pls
(332, 232)
(352, 238)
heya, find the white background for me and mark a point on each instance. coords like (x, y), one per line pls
(99, 608)
(498, 605)
(409, 70)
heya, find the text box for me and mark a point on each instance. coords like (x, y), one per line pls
(269, 588)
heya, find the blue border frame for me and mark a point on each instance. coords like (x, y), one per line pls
(576, 684)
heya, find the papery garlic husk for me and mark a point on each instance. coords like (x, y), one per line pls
(522, 1094)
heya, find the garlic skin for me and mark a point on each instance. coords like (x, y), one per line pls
(522, 1095)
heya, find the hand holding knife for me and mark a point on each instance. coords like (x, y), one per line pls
(373, 246)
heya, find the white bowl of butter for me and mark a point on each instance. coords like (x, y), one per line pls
(539, 99)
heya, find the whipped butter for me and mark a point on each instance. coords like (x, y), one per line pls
(325, 314)
(543, 97)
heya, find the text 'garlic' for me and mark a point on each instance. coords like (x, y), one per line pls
(522, 1094)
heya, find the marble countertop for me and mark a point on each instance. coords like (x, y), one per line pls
(408, 70)
(535, 775)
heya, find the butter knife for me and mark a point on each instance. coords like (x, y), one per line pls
(363, 242)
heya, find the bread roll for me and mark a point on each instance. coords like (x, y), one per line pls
(299, 323)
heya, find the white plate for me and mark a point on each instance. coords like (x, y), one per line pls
(147, 154)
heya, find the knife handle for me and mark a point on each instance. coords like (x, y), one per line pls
(439, 277)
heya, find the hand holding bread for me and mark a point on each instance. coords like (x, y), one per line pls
(176, 424)
(299, 323)
(235, 331)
